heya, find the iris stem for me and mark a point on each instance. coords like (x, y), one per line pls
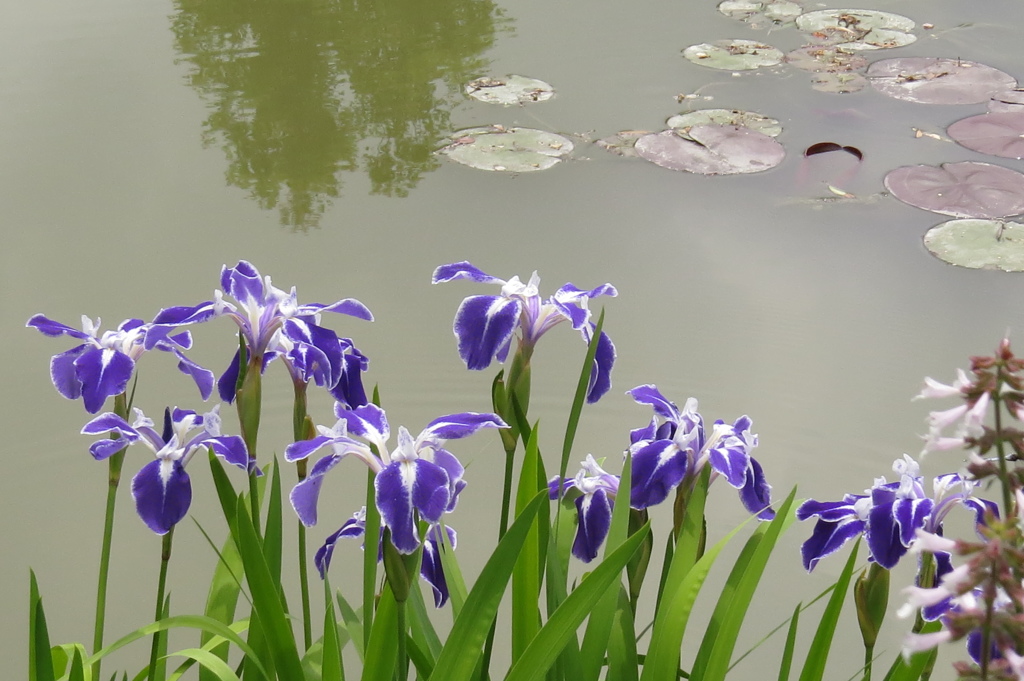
(114, 465)
(302, 431)
(165, 559)
(402, 666)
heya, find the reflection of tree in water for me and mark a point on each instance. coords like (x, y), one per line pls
(302, 89)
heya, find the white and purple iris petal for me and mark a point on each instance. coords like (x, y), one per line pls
(353, 527)
(756, 493)
(896, 513)
(838, 523)
(431, 569)
(409, 484)
(593, 507)
(162, 489)
(658, 468)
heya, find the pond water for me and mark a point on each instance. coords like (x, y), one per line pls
(147, 144)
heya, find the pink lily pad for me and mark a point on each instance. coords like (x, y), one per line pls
(1011, 100)
(712, 150)
(999, 134)
(935, 80)
(962, 190)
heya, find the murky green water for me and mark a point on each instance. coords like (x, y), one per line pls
(145, 144)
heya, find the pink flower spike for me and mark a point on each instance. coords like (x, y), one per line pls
(932, 543)
(918, 598)
(933, 388)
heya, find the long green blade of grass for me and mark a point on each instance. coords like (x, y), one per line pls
(465, 642)
(528, 570)
(40, 664)
(382, 647)
(787, 652)
(903, 671)
(331, 668)
(817, 656)
(622, 657)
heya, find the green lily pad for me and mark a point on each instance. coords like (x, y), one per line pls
(517, 150)
(962, 190)
(746, 119)
(772, 13)
(825, 59)
(936, 80)
(621, 143)
(857, 29)
(978, 244)
(838, 83)
(510, 90)
(712, 150)
(999, 134)
(733, 55)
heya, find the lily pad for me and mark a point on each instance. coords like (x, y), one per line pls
(978, 244)
(936, 80)
(857, 29)
(772, 13)
(839, 83)
(712, 150)
(621, 143)
(733, 55)
(999, 134)
(746, 119)
(1011, 100)
(962, 190)
(517, 150)
(824, 59)
(510, 90)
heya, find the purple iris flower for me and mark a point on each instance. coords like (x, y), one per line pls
(419, 477)
(889, 515)
(597, 488)
(485, 325)
(674, 448)
(430, 566)
(274, 325)
(103, 364)
(162, 489)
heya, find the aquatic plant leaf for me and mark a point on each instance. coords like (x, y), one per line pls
(773, 13)
(936, 80)
(621, 143)
(1011, 100)
(962, 190)
(733, 55)
(517, 150)
(838, 83)
(857, 29)
(978, 244)
(999, 134)
(746, 119)
(822, 59)
(712, 150)
(509, 90)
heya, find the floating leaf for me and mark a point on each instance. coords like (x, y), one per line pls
(838, 83)
(733, 55)
(999, 134)
(621, 143)
(978, 244)
(1011, 100)
(761, 14)
(936, 80)
(746, 119)
(712, 150)
(517, 150)
(510, 90)
(820, 58)
(827, 147)
(963, 190)
(857, 29)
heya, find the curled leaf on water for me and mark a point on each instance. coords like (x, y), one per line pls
(621, 143)
(978, 244)
(746, 119)
(767, 14)
(823, 58)
(712, 150)
(857, 29)
(509, 90)
(937, 80)
(826, 147)
(962, 190)
(1011, 100)
(733, 55)
(999, 134)
(516, 150)
(838, 83)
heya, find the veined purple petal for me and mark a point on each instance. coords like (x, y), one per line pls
(106, 422)
(163, 493)
(553, 486)
(910, 515)
(243, 283)
(353, 527)
(883, 535)
(650, 395)
(943, 566)
(368, 421)
(431, 491)
(455, 470)
(484, 325)
(646, 433)
(304, 448)
(463, 270)
(756, 493)
(394, 501)
(829, 511)
(828, 538)
(980, 506)
(313, 364)
(431, 569)
(657, 469)
(348, 390)
(203, 377)
(229, 380)
(454, 426)
(349, 306)
(305, 494)
(231, 448)
(601, 371)
(103, 373)
(51, 328)
(731, 459)
(594, 512)
(64, 374)
(170, 319)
